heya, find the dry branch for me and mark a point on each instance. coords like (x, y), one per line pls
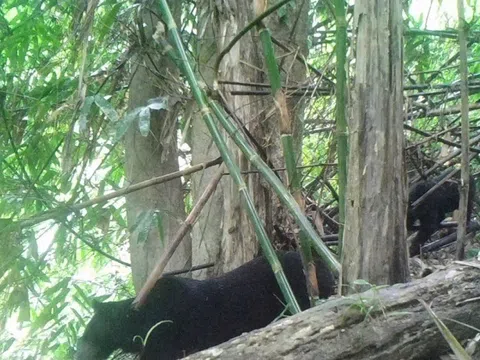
(167, 253)
(63, 209)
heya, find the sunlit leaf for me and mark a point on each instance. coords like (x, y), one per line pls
(62, 284)
(106, 108)
(24, 310)
(143, 225)
(84, 111)
(124, 124)
(158, 103)
(456, 347)
(144, 121)
(108, 20)
(60, 242)
(6, 343)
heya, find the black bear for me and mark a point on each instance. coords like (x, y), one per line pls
(192, 315)
(431, 212)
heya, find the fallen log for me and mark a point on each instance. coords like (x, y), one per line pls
(388, 323)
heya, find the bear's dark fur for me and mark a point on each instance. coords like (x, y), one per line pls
(431, 212)
(202, 313)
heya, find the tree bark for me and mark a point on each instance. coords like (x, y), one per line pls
(399, 327)
(151, 156)
(375, 247)
(223, 234)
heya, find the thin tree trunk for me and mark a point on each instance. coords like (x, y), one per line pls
(375, 248)
(150, 156)
(223, 233)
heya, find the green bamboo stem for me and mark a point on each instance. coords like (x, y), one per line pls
(304, 243)
(289, 155)
(465, 170)
(340, 118)
(186, 68)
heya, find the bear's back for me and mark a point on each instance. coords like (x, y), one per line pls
(209, 312)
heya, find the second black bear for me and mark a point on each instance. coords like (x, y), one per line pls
(198, 313)
(431, 212)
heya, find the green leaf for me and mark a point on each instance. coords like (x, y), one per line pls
(106, 108)
(361, 282)
(24, 311)
(62, 284)
(85, 299)
(60, 242)
(143, 225)
(84, 111)
(124, 124)
(5, 344)
(107, 21)
(456, 347)
(158, 103)
(161, 231)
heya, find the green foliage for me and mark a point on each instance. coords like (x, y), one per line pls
(56, 149)
(366, 305)
(63, 86)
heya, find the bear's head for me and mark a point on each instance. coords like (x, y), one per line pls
(112, 326)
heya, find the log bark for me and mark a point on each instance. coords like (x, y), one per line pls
(397, 327)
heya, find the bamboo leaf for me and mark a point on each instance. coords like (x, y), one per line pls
(457, 349)
(106, 108)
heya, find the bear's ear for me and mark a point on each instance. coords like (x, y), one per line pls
(96, 305)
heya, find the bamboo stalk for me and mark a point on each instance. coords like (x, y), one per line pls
(340, 118)
(465, 171)
(286, 134)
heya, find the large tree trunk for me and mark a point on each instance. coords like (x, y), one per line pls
(374, 240)
(397, 328)
(151, 156)
(223, 233)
